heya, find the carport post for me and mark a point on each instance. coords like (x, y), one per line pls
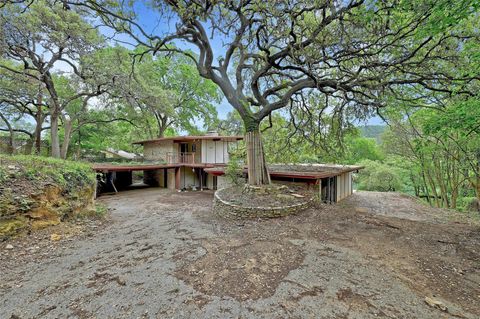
(177, 178)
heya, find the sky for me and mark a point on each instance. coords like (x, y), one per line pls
(151, 22)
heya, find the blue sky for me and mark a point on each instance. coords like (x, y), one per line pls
(151, 22)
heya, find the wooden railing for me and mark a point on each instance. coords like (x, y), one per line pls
(177, 158)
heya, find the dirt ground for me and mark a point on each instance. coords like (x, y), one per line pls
(162, 254)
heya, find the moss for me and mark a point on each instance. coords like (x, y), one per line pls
(43, 190)
(11, 227)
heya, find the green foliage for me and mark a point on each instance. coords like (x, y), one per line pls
(234, 168)
(65, 174)
(378, 177)
(372, 131)
(361, 148)
(465, 204)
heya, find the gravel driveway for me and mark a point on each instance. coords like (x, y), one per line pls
(161, 254)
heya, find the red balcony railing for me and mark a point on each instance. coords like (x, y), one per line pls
(177, 158)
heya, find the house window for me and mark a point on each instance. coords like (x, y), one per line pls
(194, 147)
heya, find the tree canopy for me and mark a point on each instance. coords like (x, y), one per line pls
(354, 56)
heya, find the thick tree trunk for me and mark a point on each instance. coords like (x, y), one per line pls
(257, 166)
(54, 138)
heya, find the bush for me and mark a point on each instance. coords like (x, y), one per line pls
(467, 204)
(378, 177)
(233, 171)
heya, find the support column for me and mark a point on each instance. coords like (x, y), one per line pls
(200, 178)
(177, 178)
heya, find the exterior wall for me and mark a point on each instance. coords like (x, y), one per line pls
(171, 178)
(209, 182)
(188, 178)
(158, 151)
(206, 151)
(344, 185)
(214, 151)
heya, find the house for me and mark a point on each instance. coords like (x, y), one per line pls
(199, 162)
(110, 153)
(334, 182)
(176, 162)
(185, 159)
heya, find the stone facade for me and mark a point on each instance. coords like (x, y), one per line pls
(223, 208)
(158, 151)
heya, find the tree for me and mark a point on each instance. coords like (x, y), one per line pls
(21, 96)
(41, 37)
(277, 52)
(441, 146)
(163, 91)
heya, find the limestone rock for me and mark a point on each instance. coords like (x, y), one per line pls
(284, 196)
(361, 210)
(9, 247)
(434, 303)
(55, 237)
(298, 196)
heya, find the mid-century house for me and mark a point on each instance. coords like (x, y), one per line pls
(198, 162)
(334, 182)
(186, 158)
(177, 162)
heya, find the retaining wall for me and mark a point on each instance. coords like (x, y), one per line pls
(223, 208)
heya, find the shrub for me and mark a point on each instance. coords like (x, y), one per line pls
(233, 171)
(378, 177)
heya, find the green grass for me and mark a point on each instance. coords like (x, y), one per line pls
(66, 174)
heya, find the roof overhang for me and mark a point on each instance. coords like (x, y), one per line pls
(180, 139)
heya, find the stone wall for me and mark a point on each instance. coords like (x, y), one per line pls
(223, 208)
(158, 151)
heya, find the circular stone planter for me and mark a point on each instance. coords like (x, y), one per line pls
(224, 208)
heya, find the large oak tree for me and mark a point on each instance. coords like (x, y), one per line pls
(356, 54)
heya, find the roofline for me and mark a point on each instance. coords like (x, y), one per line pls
(219, 171)
(192, 138)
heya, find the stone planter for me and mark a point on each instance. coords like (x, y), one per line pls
(226, 209)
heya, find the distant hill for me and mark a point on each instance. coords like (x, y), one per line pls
(372, 131)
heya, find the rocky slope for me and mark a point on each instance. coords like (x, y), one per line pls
(36, 192)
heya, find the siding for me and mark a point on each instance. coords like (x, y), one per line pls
(214, 152)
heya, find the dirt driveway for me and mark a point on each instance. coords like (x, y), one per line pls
(162, 254)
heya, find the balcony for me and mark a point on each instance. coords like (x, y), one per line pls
(181, 158)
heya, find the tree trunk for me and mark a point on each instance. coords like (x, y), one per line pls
(257, 167)
(11, 146)
(38, 127)
(29, 146)
(54, 138)
(162, 122)
(67, 133)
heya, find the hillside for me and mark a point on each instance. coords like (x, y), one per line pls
(372, 131)
(36, 192)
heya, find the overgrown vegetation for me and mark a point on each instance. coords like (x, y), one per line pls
(39, 191)
(300, 76)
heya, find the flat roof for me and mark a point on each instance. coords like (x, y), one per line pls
(178, 139)
(103, 167)
(303, 171)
